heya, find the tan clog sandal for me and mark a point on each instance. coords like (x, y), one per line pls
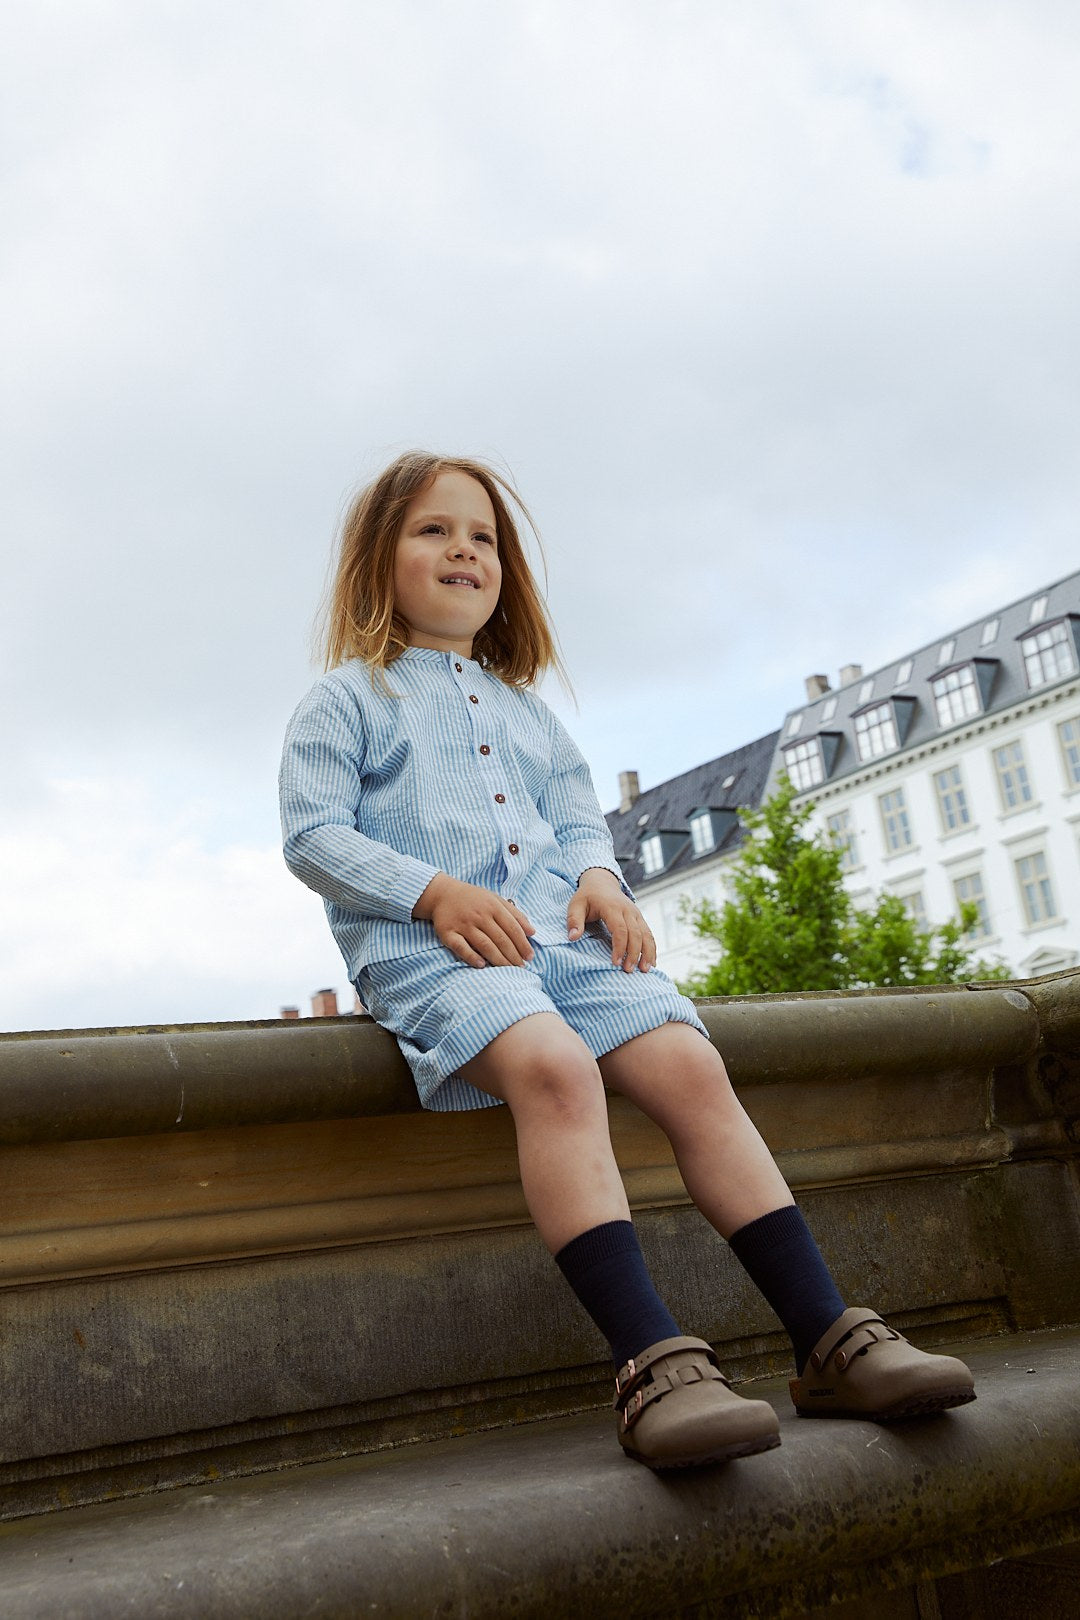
(864, 1368)
(677, 1410)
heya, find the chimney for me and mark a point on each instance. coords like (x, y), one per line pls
(629, 792)
(816, 687)
(289, 1012)
(324, 1004)
(849, 673)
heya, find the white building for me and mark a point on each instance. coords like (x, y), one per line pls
(675, 841)
(954, 774)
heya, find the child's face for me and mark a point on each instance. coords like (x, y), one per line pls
(447, 574)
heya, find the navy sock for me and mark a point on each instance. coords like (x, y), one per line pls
(606, 1269)
(783, 1260)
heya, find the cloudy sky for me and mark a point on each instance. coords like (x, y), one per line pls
(770, 310)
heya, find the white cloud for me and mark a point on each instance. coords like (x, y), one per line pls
(118, 910)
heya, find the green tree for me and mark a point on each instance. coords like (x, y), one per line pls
(793, 926)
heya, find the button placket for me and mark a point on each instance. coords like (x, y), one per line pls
(512, 848)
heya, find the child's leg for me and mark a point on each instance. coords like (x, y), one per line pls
(679, 1080)
(675, 1408)
(572, 1185)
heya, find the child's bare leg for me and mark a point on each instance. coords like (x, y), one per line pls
(549, 1078)
(680, 1081)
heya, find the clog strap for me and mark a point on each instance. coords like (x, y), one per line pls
(693, 1361)
(852, 1332)
(632, 1370)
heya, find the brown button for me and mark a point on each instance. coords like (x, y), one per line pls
(473, 698)
(484, 749)
(500, 798)
(458, 668)
(513, 849)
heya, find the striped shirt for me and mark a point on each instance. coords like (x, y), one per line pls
(451, 771)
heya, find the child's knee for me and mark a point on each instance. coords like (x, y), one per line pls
(562, 1086)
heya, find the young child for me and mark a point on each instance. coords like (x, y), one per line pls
(438, 806)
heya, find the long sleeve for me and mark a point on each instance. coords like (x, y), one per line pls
(320, 786)
(569, 804)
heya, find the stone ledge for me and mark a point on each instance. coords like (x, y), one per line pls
(548, 1521)
(58, 1086)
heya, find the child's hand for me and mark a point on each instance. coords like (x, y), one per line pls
(599, 898)
(479, 926)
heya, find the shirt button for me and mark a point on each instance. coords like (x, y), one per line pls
(484, 749)
(513, 849)
(458, 668)
(500, 798)
(473, 698)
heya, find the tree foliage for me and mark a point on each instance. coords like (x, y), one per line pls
(792, 925)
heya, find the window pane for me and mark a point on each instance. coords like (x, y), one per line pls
(952, 801)
(969, 891)
(1069, 734)
(803, 763)
(1013, 783)
(895, 820)
(875, 731)
(1048, 655)
(956, 695)
(701, 832)
(1035, 890)
(843, 836)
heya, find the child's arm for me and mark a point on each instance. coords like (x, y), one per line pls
(320, 787)
(320, 784)
(568, 803)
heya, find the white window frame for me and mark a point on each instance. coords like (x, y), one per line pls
(1049, 655)
(949, 791)
(652, 855)
(875, 731)
(956, 695)
(805, 764)
(1011, 773)
(1036, 888)
(701, 833)
(895, 820)
(978, 899)
(842, 834)
(1070, 749)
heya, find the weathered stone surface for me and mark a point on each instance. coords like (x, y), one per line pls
(550, 1522)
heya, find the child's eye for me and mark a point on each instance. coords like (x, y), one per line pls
(489, 538)
(432, 528)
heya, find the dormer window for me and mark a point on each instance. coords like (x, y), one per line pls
(1049, 653)
(866, 691)
(659, 849)
(989, 632)
(946, 650)
(794, 725)
(1038, 609)
(709, 828)
(652, 855)
(903, 674)
(829, 710)
(804, 764)
(963, 691)
(875, 731)
(701, 834)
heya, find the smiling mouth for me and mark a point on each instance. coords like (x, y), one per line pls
(461, 579)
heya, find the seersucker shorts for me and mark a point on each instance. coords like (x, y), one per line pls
(444, 1012)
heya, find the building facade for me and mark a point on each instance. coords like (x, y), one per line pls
(951, 774)
(675, 843)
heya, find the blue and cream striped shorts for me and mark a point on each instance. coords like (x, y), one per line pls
(444, 1012)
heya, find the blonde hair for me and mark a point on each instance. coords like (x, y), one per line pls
(359, 620)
